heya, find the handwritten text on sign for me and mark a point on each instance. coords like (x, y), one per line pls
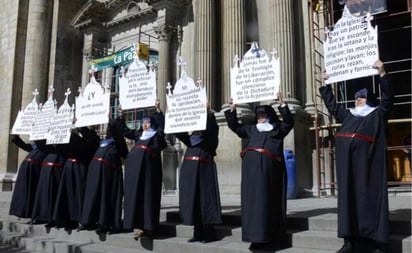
(257, 78)
(93, 105)
(186, 108)
(43, 120)
(25, 119)
(60, 129)
(351, 48)
(137, 88)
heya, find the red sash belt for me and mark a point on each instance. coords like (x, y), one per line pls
(196, 158)
(263, 151)
(355, 135)
(52, 164)
(73, 160)
(145, 148)
(105, 162)
(30, 160)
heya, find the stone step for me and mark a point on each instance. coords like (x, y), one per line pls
(11, 238)
(400, 222)
(58, 240)
(11, 249)
(327, 240)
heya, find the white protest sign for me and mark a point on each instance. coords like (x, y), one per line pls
(186, 106)
(61, 125)
(92, 105)
(256, 77)
(43, 118)
(137, 87)
(351, 48)
(25, 118)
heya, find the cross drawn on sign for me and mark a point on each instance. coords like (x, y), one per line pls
(169, 88)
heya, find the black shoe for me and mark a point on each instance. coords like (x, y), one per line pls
(257, 246)
(379, 248)
(82, 227)
(209, 238)
(347, 247)
(50, 225)
(195, 239)
(101, 230)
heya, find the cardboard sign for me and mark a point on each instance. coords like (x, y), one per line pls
(256, 77)
(186, 106)
(92, 105)
(60, 128)
(43, 118)
(351, 48)
(137, 87)
(25, 118)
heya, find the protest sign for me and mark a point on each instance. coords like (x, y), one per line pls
(186, 106)
(137, 87)
(43, 118)
(256, 77)
(61, 125)
(25, 118)
(351, 48)
(92, 104)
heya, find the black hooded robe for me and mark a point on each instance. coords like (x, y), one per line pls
(143, 178)
(50, 174)
(27, 179)
(263, 183)
(102, 202)
(198, 183)
(69, 200)
(361, 162)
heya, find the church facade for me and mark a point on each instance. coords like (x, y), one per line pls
(55, 43)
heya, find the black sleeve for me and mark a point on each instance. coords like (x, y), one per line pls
(159, 120)
(387, 96)
(234, 125)
(124, 130)
(330, 102)
(211, 134)
(21, 144)
(287, 120)
(183, 137)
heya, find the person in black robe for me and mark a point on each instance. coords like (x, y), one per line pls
(263, 184)
(69, 201)
(361, 160)
(46, 192)
(199, 199)
(143, 175)
(27, 178)
(102, 202)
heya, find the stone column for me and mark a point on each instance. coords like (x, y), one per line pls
(233, 39)
(205, 66)
(87, 53)
(37, 49)
(264, 16)
(283, 37)
(163, 71)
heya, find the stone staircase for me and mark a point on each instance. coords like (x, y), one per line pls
(311, 231)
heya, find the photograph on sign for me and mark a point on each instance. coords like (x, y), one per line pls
(61, 125)
(351, 48)
(186, 106)
(43, 119)
(92, 104)
(137, 86)
(256, 77)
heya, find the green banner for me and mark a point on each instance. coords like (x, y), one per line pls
(119, 58)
